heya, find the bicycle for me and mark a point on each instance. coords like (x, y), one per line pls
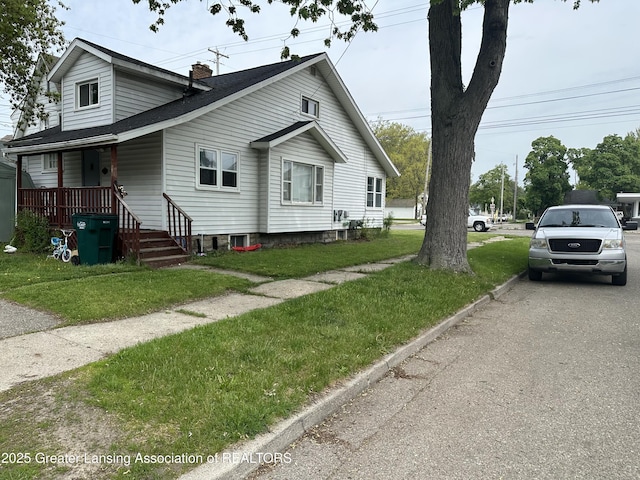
(61, 250)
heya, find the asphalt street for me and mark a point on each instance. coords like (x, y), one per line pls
(542, 383)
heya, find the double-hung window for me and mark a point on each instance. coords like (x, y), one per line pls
(374, 192)
(217, 168)
(302, 183)
(87, 94)
(49, 162)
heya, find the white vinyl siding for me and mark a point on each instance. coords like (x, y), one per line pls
(71, 167)
(137, 94)
(166, 161)
(258, 207)
(140, 172)
(215, 210)
(87, 69)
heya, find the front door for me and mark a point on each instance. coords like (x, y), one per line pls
(90, 168)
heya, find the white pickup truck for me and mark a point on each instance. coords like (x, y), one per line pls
(480, 223)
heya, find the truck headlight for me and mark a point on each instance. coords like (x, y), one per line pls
(538, 243)
(612, 243)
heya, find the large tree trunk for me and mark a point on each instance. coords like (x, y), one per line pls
(455, 115)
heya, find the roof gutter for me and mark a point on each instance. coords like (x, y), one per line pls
(106, 139)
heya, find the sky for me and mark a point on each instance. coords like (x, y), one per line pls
(571, 74)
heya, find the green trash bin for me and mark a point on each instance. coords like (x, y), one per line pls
(96, 233)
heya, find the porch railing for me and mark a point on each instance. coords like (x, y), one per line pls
(128, 227)
(59, 204)
(179, 224)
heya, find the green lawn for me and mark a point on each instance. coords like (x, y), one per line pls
(204, 389)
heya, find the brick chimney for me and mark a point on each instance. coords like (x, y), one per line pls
(200, 70)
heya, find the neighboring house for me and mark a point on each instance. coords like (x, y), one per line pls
(26, 124)
(404, 208)
(631, 201)
(277, 153)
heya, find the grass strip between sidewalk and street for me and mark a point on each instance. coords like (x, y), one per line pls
(205, 389)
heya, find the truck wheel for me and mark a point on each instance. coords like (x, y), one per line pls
(535, 275)
(479, 227)
(620, 279)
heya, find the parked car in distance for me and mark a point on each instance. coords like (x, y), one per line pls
(480, 223)
(584, 239)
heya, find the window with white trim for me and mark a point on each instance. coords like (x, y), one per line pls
(302, 183)
(310, 107)
(49, 162)
(87, 94)
(216, 168)
(374, 192)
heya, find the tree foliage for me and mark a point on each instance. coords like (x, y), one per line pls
(356, 11)
(408, 150)
(490, 185)
(612, 167)
(456, 108)
(547, 180)
(28, 29)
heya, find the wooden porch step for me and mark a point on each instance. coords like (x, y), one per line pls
(166, 261)
(158, 249)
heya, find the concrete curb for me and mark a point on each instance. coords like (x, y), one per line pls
(244, 459)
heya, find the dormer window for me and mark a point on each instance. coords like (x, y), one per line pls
(87, 94)
(310, 107)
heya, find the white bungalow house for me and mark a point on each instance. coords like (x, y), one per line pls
(276, 153)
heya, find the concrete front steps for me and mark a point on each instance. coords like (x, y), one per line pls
(159, 249)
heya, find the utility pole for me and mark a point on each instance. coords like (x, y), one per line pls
(218, 54)
(515, 191)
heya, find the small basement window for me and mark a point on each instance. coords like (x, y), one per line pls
(238, 241)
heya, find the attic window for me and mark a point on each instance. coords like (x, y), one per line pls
(87, 94)
(310, 107)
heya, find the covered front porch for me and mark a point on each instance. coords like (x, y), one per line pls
(59, 203)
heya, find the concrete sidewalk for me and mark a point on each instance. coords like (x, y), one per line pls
(243, 459)
(52, 351)
(49, 351)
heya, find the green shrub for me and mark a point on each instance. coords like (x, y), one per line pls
(32, 232)
(387, 222)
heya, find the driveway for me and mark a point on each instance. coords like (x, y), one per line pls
(542, 383)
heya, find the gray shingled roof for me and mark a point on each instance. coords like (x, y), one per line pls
(222, 86)
(283, 132)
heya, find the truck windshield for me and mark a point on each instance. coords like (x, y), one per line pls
(582, 217)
